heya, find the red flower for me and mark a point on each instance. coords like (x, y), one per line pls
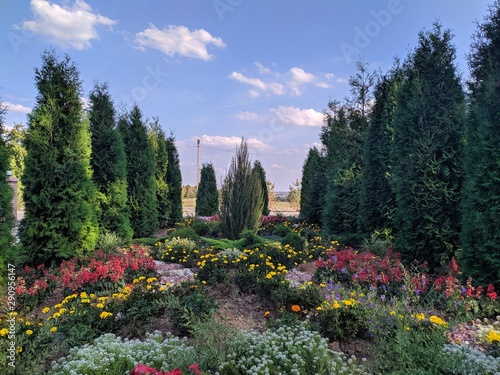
(141, 369)
(195, 369)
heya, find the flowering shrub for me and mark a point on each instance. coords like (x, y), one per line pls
(33, 285)
(141, 369)
(178, 250)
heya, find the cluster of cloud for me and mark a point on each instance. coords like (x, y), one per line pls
(293, 82)
(230, 142)
(285, 115)
(18, 108)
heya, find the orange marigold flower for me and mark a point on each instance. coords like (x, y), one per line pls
(295, 308)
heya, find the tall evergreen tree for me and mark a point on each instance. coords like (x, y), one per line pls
(15, 140)
(109, 165)
(259, 169)
(6, 194)
(59, 195)
(377, 201)
(141, 185)
(159, 144)
(207, 196)
(480, 238)
(428, 130)
(241, 196)
(312, 194)
(174, 182)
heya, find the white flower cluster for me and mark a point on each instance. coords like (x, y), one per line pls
(109, 354)
(231, 254)
(465, 360)
(288, 351)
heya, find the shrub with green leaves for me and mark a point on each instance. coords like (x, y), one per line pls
(177, 250)
(295, 240)
(185, 233)
(113, 355)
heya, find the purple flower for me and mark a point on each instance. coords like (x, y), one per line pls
(334, 258)
(342, 270)
(382, 297)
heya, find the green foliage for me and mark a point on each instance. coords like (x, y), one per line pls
(59, 196)
(377, 200)
(248, 240)
(342, 321)
(206, 228)
(295, 240)
(281, 230)
(109, 165)
(15, 139)
(480, 236)
(428, 129)
(185, 233)
(141, 183)
(241, 196)
(177, 250)
(259, 170)
(6, 194)
(159, 144)
(108, 242)
(174, 182)
(207, 196)
(312, 193)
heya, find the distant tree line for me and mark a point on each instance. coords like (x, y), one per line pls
(411, 154)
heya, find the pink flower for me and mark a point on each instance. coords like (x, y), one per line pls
(141, 369)
(195, 369)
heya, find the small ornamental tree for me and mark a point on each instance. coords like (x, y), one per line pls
(174, 182)
(141, 185)
(312, 193)
(259, 169)
(109, 165)
(59, 195)
(241, 196)
(207, 196)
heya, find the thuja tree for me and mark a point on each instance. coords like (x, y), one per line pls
(174, 182)
(428, 130)
(15, 140)
(207, 196)
(141, 185)
(6, 216)
(480, 256)
(159, 144)
(241, 196)
(59, 195)
(259, 169)
(312, 193)
(377, 200)
(109, 165)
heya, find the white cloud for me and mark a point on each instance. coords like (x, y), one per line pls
(18, 108)
(230, 142)
(67, 26)
(276, 166)
(248, 116)
(296, 116)
(179, 40)
(262, 68)
(274, 88)
(254, 93)
(85, 102)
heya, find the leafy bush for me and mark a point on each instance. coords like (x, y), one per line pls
(248, 240)
(112, 355)
(177, 250)
(306, 296)
(281, 230)
(295, 240)
(202, 228)
(188, 233)
(108, 242)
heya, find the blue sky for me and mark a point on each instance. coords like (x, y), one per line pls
(217, 70)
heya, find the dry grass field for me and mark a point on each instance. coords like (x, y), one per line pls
(188, 205)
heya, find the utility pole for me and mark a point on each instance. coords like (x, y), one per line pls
(198, 165)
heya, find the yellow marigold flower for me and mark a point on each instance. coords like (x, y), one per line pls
(85, 300)
(392, 312)
(103, 299)
(105, 315)
(148, 287)
(437, 320)
(29, 332)
(319, 308)
(322, 285)
(135, 281)
(19, 349)
(141, 278)
(347, 302)
(13, 313)
(4, 331)
(336, 305)
(295, 308)
(83, 295)
(493, 336)
(20, 320)
(420, 316)
(162, 288)
(267, 313)
(92, 295)
(53, 329)
(407, 328)
(28, 323)
(100, 306)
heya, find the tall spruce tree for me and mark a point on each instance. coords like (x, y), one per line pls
(6, 194)
(241, 196)
(174, 182)
(312, 194)
(159, 144)
(109, 165)
(480, 238)
(259, 169)
(207, 196)
(141, 185)
(59, 195)
(377, 201)
(428, 130)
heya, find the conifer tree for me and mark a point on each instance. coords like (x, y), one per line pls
(241, 196)
(174, 182)
(207, 196)
(59, 195)
(141, 185)
(6, 194)
(109, 165)
(377, 201)
(159, 144)
(312, 194)
(480, 237)
(428, 130)
(259, 169)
